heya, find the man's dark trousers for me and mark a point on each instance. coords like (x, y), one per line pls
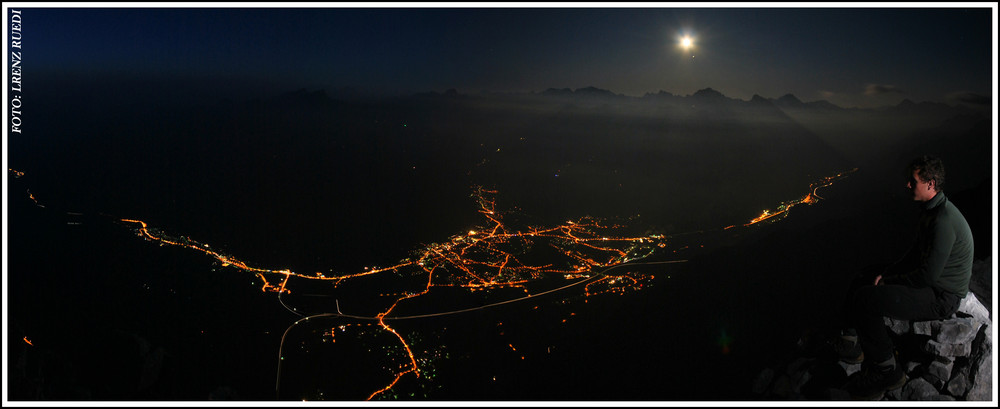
(867, 304)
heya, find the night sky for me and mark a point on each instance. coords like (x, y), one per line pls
(853, 57)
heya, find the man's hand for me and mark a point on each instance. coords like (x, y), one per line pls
(878, 279)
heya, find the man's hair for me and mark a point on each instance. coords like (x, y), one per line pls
(929, 168)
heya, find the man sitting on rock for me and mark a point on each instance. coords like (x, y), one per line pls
(927, 284)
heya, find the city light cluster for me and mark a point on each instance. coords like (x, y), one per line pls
(494, 256)
(482, 258)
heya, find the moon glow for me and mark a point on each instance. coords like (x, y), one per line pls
(687, 42)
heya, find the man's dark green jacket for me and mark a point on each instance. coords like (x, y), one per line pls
(943, 250)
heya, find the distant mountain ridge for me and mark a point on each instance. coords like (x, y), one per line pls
(705, 95)
(859, 134)
(791, 101)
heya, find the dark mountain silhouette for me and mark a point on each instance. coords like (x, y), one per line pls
(594, 92)
(789, 101)
(759, 100)
(708, 94)
(586, 92)
(824, 105)
(558, 92)
(659, 94)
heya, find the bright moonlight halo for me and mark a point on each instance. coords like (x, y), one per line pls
(687, 42)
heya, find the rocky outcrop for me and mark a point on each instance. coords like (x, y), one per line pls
(957, 355)
(944, 360)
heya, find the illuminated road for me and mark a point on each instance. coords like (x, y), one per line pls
(771, 215)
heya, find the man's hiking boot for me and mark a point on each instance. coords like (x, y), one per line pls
(874, 380)
(848, 351)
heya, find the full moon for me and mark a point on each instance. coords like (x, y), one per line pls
(687, 42)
